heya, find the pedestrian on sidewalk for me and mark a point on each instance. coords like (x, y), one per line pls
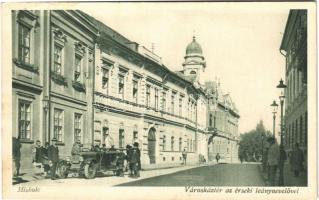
(135, 160)
(184, 155)
(273, 159)
(217, 157)
(16, 155)
(296, 160)
(38, 152)
(128, 158)
(45, 159)
(53, 154)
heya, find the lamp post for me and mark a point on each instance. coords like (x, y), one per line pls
(275, 107)
(282, 87)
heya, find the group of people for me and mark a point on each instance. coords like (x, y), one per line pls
(276, 157)
(43, 157)
(132, 155)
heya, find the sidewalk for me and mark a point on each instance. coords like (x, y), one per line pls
(289, 178)
(32, 178)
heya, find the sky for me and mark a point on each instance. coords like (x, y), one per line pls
(240, 45)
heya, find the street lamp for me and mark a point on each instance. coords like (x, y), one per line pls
(282, 87)
(275, 107)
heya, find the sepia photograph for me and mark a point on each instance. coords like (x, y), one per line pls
(189, 98)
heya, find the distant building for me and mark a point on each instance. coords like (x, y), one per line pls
(222, 123)
(294, 48)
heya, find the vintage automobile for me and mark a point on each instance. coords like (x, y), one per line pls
(90, 162)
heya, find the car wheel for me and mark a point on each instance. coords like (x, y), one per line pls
(90, 170)
(62, 170)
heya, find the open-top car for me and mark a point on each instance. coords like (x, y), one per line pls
(89, 162)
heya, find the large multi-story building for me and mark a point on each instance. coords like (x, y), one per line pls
(294, 48)
(137, 98)
(74, 78)
(52, 79)
(222, 123)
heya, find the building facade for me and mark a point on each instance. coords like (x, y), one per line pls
(222, 123)
(294, 48)
(74, 78)
(52, 79)
(137, 98)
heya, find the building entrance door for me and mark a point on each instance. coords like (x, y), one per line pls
(152, 145)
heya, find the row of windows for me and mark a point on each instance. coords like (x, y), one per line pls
(297, 132)
(191, 106)
(24, 50)
(59, 59)
(121, 136)
(294, 85)
(25, 123)
(190, 144)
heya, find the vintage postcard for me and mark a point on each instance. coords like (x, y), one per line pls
(161, 100)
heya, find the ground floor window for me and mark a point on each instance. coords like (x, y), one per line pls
(180, 144)
(121, 138)
(164, 142)
(77, 127)
(58, 125)
(24, 119)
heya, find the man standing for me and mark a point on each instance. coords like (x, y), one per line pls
(217, 157)
(273, 159)
(135, 160)
(296, 160)
(16, 155)
(38, 154)
(184, 155)
(53, 154)
(128, 157)
(45, 159)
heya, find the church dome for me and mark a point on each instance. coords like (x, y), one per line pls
(194, 48)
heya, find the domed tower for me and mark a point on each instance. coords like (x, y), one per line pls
(194, 64)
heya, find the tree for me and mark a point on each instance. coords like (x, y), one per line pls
(251, 143)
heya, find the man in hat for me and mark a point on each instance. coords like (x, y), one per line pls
(273, 160)
(136, 160)
(53, 155)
